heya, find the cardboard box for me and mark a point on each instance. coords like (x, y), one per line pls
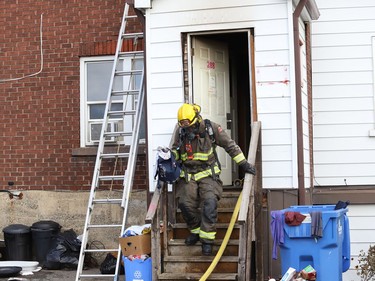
(136, 245)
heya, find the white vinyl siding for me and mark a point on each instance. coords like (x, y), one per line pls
(343, 102)
(271, 21)
(372, 131)
(343, 93)
(362, 235)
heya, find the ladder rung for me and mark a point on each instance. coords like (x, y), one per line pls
(118, 134)
(132, 35)
(97, 276)
(131, 16)
(109, 178)
(127, 92)
(130, 54)
(129, 72)
(107, 201)
(104, 225)
(121, 112)
(115, 155)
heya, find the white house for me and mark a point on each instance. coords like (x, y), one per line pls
(304, 68)
(343, 44)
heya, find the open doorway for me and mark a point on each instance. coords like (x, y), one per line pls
(219, 66)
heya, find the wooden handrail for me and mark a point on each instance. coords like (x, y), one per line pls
(247, 189)
(152, 208)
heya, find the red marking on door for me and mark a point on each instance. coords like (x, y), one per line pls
(211, 64)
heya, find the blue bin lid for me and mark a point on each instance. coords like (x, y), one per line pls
(327, 210)
(329, 216)
(16, 229)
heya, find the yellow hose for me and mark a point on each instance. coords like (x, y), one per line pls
(225, 240)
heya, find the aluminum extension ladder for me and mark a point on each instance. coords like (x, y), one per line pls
(115, 166)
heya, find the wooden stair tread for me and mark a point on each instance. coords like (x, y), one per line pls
(199, 258)
(230, 194)
(217, 242)
(218, 225)
(196, 276)
(219, 209)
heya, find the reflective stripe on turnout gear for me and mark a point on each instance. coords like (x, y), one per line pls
(200, 175)
(198, 155)
(195, 230)
(202, 234)
(176, 154)
(207, 235)
(239, 158)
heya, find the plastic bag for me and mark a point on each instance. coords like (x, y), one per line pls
(108, 266)
(64, 251)
(137, 230)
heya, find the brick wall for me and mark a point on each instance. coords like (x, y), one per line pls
(40, 115)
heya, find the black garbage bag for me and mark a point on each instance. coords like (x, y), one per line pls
(108, 266)
(64, 251)
(342, 205)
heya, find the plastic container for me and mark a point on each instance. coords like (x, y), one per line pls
(329, 255)
(17, 239)
(3, 250)
(138, 269)
(42, 233)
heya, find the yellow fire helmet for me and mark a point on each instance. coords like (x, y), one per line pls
(188, 114)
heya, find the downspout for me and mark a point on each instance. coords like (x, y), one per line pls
(297, 60)
(142, 18)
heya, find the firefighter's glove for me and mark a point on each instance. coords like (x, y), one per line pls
(248, 168)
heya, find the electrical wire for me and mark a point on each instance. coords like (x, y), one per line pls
(41, 58)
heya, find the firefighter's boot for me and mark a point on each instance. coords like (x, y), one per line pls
(206, 249)
(192, 239)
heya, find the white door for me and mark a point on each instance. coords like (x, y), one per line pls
(211, 90)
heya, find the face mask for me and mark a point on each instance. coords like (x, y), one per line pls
(190, 136)
(194, 132)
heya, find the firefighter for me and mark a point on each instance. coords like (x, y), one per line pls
(199, 188)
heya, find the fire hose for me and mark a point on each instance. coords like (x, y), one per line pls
(225, 240)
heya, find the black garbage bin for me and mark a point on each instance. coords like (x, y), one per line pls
(17, 239)
(42, 233)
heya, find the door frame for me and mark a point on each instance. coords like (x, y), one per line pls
(241, 105)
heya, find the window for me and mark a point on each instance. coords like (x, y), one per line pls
(95, 78)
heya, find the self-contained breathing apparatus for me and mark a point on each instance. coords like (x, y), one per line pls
(186, 136)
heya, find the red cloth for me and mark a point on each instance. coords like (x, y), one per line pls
(294, 218)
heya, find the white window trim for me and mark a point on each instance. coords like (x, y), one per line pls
(83, 95)
(84, 115)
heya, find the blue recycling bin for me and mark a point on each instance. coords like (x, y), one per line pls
(137, 269)
(329, 255)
